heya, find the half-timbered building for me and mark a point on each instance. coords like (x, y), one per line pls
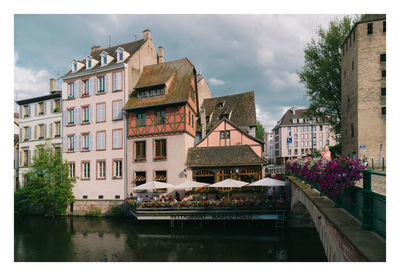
(161, 123)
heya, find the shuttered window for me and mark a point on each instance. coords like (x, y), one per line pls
(140, 151)
(117, 139)
(101, 113)
(117, 81)
(117, 110)
(161, 149)
(101, 140)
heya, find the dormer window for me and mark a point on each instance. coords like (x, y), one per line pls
(151, 93)
(89, 62)
(120, 54)
(104, 59)
(294, 121)
(220, 105)
(301, 120)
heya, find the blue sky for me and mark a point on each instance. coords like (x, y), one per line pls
(235, 53)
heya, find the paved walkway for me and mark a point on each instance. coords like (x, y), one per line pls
(378, 184)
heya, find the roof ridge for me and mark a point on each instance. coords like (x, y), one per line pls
(118, 45)
(241, 93)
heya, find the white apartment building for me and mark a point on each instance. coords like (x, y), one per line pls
(40, 119)
(269, 147)
(296, 132)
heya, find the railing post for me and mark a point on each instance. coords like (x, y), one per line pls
(367, 201)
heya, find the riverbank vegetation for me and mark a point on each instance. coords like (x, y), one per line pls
(48, 189)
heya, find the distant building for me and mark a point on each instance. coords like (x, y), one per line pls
(16, 150)
(269, 147)
(40, 119)
(363, 89)
(294, 133)
(95, 91)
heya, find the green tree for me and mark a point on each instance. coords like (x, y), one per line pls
(321, 72)
(260, 131)
(49, 186)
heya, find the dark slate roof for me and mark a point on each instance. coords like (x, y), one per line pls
(371, 17)
(287, 118)
(223, 156)
(241, 105)
(130, 47)
(180, 71)
(40, 98)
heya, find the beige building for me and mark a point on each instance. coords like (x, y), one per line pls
(364, 89)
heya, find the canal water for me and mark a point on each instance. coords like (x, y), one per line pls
(76, 239)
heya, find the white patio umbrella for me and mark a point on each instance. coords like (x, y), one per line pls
(267, 182)
(229, 183)
(153, 185)
(190, 185)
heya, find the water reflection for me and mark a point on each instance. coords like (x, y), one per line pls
(106, 239)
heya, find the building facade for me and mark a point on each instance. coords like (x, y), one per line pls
(16, 150)
(161, 122)
(269, 147)
(363, 97)
(40, 120)
(296, 132)
(95, 91)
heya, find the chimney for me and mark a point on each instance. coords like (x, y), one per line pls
(293, 110)
(146, 34)
(160, 54)
(95, 48)
(53, 85)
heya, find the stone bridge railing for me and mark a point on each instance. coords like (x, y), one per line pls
(341, 233)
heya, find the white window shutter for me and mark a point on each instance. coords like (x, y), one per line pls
(29, 110)
(20, 112)
(119, 110)
(78, 115)
(107, 83)
(64, 91)
(120, 138)
(20, 134)
(103, 140)
(51, 130)
(64, 143)
(90, 141)
(78, 88)
(45, 130)
(79, 143)
(114, 139)
(64, 118)
(75, 143)
(119, 81)
(44, 108)
(114, 110)
(36, 109)
(51, 106)
(90, 114)
(35, 132)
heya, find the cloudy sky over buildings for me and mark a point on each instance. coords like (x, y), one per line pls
(235, 53)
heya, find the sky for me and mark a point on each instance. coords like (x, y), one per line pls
(235, 53)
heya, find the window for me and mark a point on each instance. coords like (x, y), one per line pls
(71, 143)
(86, 170)
(327, 142)
(101, 112)
(101, 196)
(295, 137)
(89, 62)
(302, 136)
(27, 111)
(383, 91)
(71, 170)
(327, 135)
(384, 26)
(120, 55)
(295, 129)
(86, 88)
(314, 135)
(294, 121)
(101, 169)
(161, 149)
(296, 143)
(57, 105)
(25, 159)
(85, 111)
(58, 129)
(41, 131)
(370, 28)
(85, 141)
(71, 115)
(383, 110)
(383, 73)
(101, 84)
(321, 142)
(140, 178)
(57, 150)
(161, 176)
(105, 60)
(301, 120)
(117, 82)
(160, 117)
(302, 144)
(71, 90)
(296, 152)
(141, 119)
(383, 57)
(84, 197)
(314, 143)
(40, 108)
(302, 151)
(101, 140)
(117, 110)
(225, 134)
(140, 151)
(75, 66)
(117, 169)
(321, 135)
(117, 139)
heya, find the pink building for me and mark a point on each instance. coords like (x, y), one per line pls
(295, 132)
(227, 151)
(95, 91)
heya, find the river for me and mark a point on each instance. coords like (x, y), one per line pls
(76, 239)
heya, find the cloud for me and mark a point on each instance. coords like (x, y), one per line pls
(29, 83)
(283, 79)
(215, 81)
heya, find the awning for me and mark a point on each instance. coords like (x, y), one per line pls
(268, 182)
(229, 183)
(153, 185)
(140, 178)
(160, 178)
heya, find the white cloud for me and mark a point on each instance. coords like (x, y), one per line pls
(283, 79)
(215, 81)
(29, 83)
